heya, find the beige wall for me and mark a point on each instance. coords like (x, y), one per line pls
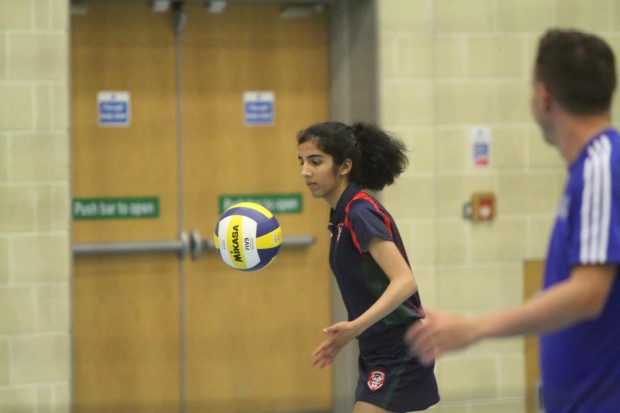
(34, 207)
(447, 65)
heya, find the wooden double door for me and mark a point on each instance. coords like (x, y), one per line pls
(161, 332)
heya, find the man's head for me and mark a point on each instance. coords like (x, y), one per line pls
(578, 69)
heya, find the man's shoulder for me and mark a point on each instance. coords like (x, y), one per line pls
(604, 149)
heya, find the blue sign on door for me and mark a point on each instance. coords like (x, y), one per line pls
(258, 108)
(113, 109)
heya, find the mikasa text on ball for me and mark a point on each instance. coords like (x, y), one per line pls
(247, 236)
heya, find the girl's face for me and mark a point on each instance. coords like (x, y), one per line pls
(317, 169)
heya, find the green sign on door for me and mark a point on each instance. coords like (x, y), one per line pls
(276, 203)
(115, 208)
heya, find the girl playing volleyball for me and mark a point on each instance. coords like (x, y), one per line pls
(368, 258)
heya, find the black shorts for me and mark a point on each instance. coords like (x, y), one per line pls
(389, 377)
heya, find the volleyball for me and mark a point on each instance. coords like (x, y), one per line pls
(247, 236)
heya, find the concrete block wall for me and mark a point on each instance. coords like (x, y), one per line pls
(447, 66)
(35, 367)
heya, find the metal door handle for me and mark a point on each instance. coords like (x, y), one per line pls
(180, 246)
(199, 245)
(183, 246)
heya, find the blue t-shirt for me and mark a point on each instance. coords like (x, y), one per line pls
(357, 219)
(581, 364)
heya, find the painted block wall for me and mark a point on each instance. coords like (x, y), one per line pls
(34, 208)
(447, 66)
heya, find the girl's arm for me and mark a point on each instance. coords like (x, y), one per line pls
(402, 285)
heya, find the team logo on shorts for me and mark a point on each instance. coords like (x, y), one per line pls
(376, 380)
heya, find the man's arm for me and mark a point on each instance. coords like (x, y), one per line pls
(579, 298)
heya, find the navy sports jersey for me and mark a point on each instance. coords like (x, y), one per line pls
(360, 279)
(581, 364)
(389, 376)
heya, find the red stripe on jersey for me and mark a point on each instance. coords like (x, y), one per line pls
(347, 223)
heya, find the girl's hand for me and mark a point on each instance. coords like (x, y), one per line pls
(338, 335)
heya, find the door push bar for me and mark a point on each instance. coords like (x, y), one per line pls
(183, 246)
(199, 245)
(180, 246)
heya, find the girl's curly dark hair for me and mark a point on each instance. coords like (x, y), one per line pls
(377, 158)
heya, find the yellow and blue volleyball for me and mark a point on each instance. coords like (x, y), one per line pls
(247, 236)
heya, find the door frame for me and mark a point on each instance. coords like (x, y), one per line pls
(354, 95)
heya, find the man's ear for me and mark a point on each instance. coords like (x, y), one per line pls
(346, 166)
(545, 95)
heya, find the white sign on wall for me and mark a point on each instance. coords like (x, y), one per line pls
(258, 108)
(113, 108)
(480, 146)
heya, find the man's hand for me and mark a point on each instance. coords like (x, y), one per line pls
(439, 333)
